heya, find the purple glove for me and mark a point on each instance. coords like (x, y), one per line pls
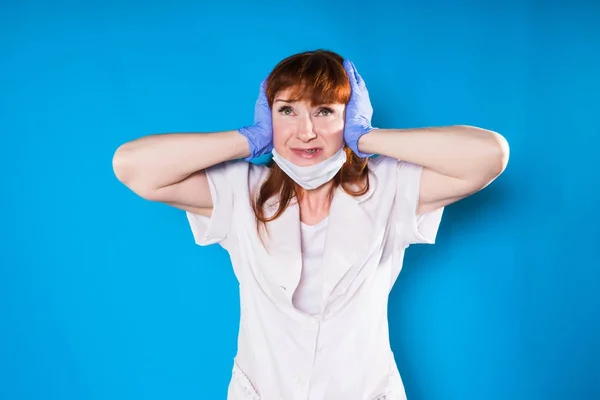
(358, 111)
(260, 134)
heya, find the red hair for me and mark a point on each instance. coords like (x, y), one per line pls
(319, 77)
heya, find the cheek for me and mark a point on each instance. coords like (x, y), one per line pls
(331, 128)
(282, 130)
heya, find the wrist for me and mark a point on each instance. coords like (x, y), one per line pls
(240, 145)
(366, 144)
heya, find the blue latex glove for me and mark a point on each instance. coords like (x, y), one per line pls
(358, 111)
(260, 134)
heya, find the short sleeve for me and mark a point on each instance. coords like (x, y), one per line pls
(227, 182)
(414, 228)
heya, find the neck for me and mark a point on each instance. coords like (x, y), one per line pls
(317, 200)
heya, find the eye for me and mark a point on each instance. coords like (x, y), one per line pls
(326, 111)
(285, 110)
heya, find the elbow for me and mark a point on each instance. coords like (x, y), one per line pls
(496, 145)
(499, 154)
(494, 149)
(127, 171)
(494, 153)
(121, 165)
(495, 160)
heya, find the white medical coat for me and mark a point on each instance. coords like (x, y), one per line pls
(343, 354)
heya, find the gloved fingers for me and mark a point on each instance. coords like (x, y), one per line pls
(356, 80)
(263, 87)
(351, 72)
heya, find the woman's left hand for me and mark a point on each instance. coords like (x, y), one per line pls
(358, 111)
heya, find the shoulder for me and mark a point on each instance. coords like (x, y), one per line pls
(384, 167)
(238, 179)
(393, 176)
(239, 172)
(380, 163)
(385, 163)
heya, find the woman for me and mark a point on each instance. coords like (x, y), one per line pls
(316, 237)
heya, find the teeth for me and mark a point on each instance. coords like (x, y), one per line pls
(310, 151)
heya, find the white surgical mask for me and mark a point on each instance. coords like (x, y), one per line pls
(312, 176)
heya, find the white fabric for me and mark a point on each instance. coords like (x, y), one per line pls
(312, 176)
(307, 297)
(343, 353)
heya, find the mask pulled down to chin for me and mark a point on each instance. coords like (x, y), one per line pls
(312, 176)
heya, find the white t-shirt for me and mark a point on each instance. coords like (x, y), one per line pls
(343, 351)
(307, 296)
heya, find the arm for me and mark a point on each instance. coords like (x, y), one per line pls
(169, 167)
(457, 160)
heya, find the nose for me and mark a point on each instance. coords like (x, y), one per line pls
(305, 130)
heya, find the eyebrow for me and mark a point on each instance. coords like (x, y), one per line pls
(284, 100)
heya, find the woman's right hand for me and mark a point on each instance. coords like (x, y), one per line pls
(260, 134)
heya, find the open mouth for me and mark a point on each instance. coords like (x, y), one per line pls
(307, 153)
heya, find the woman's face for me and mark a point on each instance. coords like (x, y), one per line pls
(305, 134)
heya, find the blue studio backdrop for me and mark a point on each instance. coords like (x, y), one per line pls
(105, 296)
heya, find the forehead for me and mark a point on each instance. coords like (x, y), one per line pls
(298, 95)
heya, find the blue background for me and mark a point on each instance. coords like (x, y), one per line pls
(104, 296)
